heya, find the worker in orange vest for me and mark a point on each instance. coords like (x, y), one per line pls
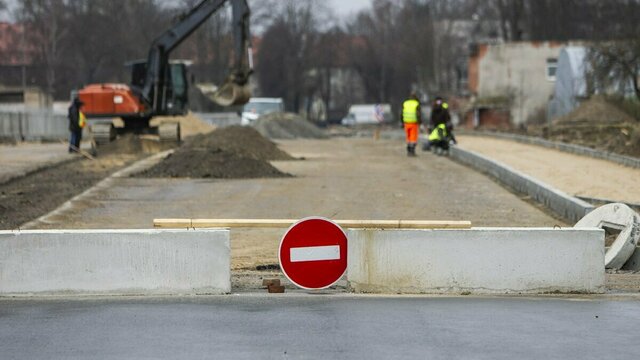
(412, 119)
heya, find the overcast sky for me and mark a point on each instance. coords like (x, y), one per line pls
(342, 7)
(345, 7)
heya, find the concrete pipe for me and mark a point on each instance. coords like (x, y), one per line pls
(621, 218)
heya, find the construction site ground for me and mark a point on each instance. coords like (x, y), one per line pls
(574, 174)
(24, 158)
(339, 178)
(45, 176)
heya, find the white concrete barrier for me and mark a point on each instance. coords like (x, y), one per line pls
(477, 261)
(115, 262)
(619, 217)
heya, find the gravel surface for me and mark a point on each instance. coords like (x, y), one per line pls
(573, 174)
(288, 126)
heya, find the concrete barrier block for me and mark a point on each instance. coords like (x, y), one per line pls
(477, 261)
(115, 262)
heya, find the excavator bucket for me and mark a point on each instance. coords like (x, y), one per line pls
(231, 94)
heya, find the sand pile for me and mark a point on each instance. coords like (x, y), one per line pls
(596, 124)
(229, 153)
(190, 124)
(288, 126)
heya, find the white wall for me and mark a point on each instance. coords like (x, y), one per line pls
(518, 70)
(478, 261)
(117, 262)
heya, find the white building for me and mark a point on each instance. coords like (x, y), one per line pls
(519, 77)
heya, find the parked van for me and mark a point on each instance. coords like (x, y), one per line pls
(257, 107)
(368, 114)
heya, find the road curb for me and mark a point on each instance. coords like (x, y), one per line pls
(564, 147)
(560, 203)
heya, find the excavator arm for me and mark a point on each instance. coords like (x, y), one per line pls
(235, 89)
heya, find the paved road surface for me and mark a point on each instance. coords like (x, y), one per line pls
(573, 174)
(319, 327)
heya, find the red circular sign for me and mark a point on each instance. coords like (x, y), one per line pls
(313, 253)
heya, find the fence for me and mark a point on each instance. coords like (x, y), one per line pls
(33, 126)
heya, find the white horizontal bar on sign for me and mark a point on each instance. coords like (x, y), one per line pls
(315, 253)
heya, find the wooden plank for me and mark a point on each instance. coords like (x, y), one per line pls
(285, 223)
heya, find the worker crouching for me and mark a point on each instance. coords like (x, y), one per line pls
(412, 119)
(439, 140)
(440, 132)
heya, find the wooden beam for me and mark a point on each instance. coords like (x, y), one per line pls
(285, 223)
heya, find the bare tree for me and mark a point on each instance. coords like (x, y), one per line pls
(285, 57)
(616, 65)
(47, 27)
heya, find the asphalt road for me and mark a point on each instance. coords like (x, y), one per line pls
(319, 327)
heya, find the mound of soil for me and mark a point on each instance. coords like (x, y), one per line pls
(595, 110)
(596, 124)
(288, 126)
(241, 140)
(229, 153)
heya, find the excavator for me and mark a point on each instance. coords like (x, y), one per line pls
(159, 86)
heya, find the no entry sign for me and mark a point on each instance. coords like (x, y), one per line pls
(313, 253)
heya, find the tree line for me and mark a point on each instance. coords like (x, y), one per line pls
(390, 48)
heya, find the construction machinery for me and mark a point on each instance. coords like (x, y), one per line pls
(159, 87)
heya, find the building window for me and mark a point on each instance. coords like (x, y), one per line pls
(552, 67)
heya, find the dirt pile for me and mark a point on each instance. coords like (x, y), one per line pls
(288, 126)
(596, 124)
(595, 111)
(230, 153)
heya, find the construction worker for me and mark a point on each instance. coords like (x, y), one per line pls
(412, 119)
(439, 139)
(440, 126)
(77, 121)
(439, 113)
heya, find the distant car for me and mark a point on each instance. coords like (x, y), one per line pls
(257, 107)
(368, 114)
